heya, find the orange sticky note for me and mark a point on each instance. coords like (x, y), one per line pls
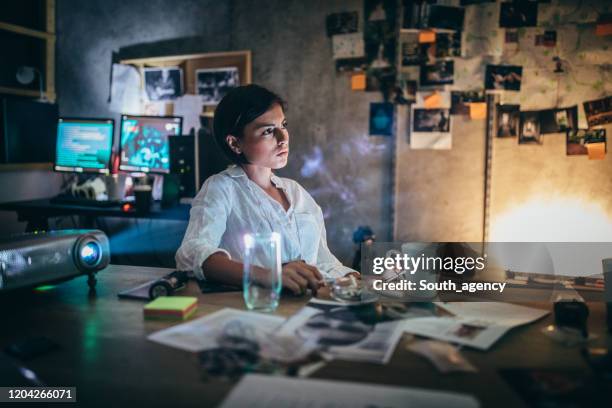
(433, 100)
(597, 151)
(478, 110)
(427, 36)
(603, 29)
(358, 82)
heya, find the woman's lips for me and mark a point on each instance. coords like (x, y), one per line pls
(282, 153)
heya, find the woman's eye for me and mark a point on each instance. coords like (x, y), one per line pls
(268, 131)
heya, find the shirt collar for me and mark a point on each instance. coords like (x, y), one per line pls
(237, 171)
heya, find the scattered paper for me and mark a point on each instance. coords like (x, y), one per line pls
(259, 391)
(202, 334)
(478, 110)
(342, 334)
(358, 82)
(475, 324)
(597, 151)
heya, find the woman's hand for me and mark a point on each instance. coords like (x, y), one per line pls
(299, 276)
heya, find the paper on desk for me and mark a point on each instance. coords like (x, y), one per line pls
(202, 334)
(259, 391)
(342, 335)
(475, 324)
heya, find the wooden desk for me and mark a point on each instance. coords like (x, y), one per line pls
(105, 354)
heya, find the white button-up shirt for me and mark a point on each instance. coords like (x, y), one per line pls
(230, 205)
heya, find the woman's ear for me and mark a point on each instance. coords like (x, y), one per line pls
(234, 144)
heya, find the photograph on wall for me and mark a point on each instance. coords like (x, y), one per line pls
(439, 73)
(558, 120)
(414, 14)
(351, 65)
(447, 45)
(460, 101)
(447, 17)
(546, 39)
(379, 32)
(578, 140)
(410, 48)
(516, 14)
(529, 129)
(348, 46)
(342, 23)
(599, 112)
(213, 83)
(506, 77)
(382, 80)
(430, 129)
(381, 119)
(508, 119)
(163, 84)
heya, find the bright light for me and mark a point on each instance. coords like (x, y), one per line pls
(558, 220)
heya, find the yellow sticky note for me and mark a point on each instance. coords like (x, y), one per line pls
(358, 82)
(433, 100)
(597, 151)
(427, 36)
(478, 110)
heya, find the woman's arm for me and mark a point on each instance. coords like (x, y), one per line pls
(297, 276)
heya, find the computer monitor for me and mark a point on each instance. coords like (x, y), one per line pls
(143, 144)
(84, 145)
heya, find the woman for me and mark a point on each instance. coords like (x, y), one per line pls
(251, 128)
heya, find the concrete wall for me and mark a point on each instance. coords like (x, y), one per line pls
(332, 156)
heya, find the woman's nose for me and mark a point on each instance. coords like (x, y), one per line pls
(282, 136)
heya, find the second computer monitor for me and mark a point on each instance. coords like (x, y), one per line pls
(143, 143)
(84, 145)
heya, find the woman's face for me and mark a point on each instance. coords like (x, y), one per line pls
(265, 141)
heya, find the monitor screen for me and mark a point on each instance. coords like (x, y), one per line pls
(84, 145)
(144, 143)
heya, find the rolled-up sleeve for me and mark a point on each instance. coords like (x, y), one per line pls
(327, 263)
(207, 223)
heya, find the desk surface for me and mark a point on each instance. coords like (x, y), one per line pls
(105, 354)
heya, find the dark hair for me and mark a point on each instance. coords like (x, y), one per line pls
(238, 108)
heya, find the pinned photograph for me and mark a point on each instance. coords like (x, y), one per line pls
(508, 118)
(439, 73)
(447, 45)
(348, 46)
(547, 39)
(379, 32)
(518, 14)
(383, 80)
(410, 49)
(530, 128)
(381, 119)
(558, 120)
(414, 14)
(431, 120)
(599, 112)
(507, 77)
(579, 139)
(213, 83)
(163, 84)
(405, 90)
(460, 101)
(342, 23)
(430, 129)
(447, 17)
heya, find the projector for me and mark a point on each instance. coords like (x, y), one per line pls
(50, 257)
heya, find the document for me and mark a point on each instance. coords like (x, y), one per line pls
(203, 333)
(342, 333)
(259, 391)
(475, 324)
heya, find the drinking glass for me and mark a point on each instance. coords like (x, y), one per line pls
(262, 277)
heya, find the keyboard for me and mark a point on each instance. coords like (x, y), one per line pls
(84, 202)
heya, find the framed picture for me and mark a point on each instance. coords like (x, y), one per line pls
(163, 83)
(213, 83)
